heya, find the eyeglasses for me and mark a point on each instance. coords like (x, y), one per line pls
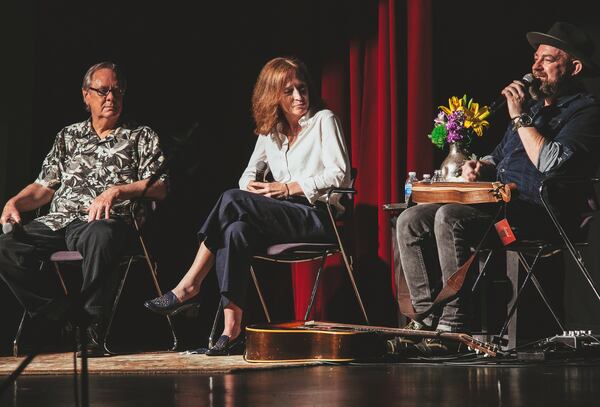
(103, 92)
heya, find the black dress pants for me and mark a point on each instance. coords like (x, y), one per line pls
(242, 224)
(101, 243)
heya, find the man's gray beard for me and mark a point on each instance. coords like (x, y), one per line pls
(540, 90)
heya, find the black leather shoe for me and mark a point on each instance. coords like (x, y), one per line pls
(225, 346)
(439, 347)
(406, 344)
(168, 304)
(93, 341)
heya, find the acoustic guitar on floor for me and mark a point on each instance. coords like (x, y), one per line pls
(302, 341)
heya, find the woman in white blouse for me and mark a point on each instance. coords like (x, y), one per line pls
(305, 152)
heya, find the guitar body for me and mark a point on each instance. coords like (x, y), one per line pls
(296, 342)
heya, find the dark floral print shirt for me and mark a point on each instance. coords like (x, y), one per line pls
(81, 165)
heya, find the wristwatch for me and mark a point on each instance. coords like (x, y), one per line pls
(522, 120)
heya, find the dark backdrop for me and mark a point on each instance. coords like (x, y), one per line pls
(193, 62)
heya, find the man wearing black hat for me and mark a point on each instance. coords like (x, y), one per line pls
(554, 130)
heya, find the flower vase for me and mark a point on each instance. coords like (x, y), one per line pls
(452, 164)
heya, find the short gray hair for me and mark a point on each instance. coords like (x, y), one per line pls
(87, 78)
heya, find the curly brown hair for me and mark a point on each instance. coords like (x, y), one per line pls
(269, 87)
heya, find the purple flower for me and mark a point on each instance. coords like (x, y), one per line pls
(455, 126)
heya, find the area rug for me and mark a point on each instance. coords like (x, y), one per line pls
(141, 363)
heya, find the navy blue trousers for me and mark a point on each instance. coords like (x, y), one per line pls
(242, 224)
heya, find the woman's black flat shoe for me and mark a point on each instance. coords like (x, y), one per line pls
(168, 304)
(225, 346)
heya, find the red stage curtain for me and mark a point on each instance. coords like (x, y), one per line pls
(384, 99)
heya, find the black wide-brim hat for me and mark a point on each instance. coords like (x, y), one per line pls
(568, 37)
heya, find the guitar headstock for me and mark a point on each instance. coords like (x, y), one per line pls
(501, 191)
(488, 349)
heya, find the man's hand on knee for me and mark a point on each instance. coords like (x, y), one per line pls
(100, 207)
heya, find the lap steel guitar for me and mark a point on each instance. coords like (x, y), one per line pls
(462, 192)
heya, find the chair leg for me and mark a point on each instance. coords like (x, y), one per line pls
(153, 275)
(515, 303)
(315, 286)
(353, 282)
(581, 265)
(512, 273)
(60, 278)
(260, 294)
(113, 311)
(347, 263)
(538, 286)
(570, 247)
(481, 276)
(18, 335)
(482, 270)
(213, 331)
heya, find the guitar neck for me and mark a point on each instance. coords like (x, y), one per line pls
(486, 348)
(382, 329)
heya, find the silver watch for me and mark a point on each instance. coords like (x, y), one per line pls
(522, 120)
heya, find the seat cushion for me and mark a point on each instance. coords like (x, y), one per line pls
(66, 256)
(299, 248)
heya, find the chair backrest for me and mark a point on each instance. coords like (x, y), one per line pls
(347, 199)
(142, 209)
(572, 203)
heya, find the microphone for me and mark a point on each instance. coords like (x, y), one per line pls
(9, 227)
(501, 101)
(261, 169)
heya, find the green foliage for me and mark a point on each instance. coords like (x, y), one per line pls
(438, 135)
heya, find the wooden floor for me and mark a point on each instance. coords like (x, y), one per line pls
(399, 384)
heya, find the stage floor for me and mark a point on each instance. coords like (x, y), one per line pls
(410, 385)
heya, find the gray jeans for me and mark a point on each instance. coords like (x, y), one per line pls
(434, 241)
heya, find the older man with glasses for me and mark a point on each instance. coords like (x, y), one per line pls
(89, 177)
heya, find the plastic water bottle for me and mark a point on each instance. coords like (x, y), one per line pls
(412, 178)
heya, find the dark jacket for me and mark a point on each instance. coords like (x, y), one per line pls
(573, 124)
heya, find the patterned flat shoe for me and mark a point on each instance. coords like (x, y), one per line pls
(168, 304)
(225, 346)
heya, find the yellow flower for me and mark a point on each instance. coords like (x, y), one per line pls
(475, 117)
(454, 104)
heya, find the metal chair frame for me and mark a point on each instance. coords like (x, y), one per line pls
(304, 254)
(536, 250)
(74, 256)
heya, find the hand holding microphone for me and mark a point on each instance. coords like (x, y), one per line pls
(515, 95)
(259, 177)
(261, 170)
(9, 227)
(10, 219)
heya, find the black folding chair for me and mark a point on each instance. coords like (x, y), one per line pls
(138, 253)
(299, 252)
(572, 241)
